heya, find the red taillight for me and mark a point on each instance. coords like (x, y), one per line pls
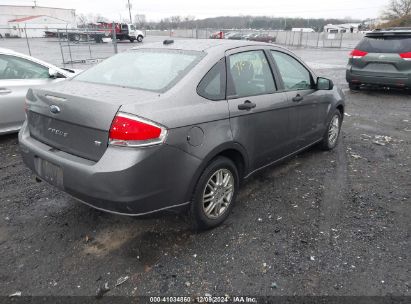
(406, 56)
(357, 54)
(132, 131)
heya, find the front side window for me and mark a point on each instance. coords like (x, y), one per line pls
(146, 69)
(212, 86)
(295, 76)
(12, 67)
(249, 74)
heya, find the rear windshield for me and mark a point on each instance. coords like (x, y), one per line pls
(146, 69)
(385, 44)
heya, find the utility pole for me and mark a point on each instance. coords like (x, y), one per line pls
(129, 10)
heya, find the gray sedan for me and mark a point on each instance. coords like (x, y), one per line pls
(177, 125)
(18, 73)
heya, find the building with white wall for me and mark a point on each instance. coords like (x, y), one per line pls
(303, 29)
(34, 26)
(13, 12)
(342, 28)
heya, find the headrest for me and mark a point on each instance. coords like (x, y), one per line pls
(242, 71)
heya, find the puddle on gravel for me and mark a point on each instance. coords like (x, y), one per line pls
(149, 246)
(109, 240)
(146, 247)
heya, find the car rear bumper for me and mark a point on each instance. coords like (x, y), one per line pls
(402, 81)
(125, 180)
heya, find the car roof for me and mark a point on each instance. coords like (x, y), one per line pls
(394, 31)
(202, 44)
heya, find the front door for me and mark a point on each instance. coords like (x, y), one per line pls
(309, 107)
(259, 114)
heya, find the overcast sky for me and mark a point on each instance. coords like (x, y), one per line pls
(157, 9)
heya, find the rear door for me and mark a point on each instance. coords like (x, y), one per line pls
(308, 107)
(381, 55)
(259, 114)
(16, 76)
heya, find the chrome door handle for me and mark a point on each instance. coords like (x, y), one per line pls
(298, 98)
(247, 105)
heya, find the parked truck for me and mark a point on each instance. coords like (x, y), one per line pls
(123, 31)
(98, 31)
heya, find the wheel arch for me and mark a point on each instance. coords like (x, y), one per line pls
(233, 151)
(340, 107)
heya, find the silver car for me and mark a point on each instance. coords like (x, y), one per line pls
(177, 124)
(18, 73)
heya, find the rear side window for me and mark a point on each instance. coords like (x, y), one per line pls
(212, 86)
(249, 74)
(146, 69)
(385, 45)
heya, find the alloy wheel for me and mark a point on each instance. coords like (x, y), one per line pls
(218, 193)
(334, 130)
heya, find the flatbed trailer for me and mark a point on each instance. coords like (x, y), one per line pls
(79, 35)
(100, 30)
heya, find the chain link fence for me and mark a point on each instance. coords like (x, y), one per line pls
(286, 38)
(74, 48)
(60, 46)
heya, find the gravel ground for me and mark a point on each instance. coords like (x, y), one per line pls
(321, 223)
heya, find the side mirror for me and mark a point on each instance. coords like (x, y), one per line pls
(324, 84)
(53, 73)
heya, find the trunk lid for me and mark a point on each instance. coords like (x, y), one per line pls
(382, 65)
(75, 116)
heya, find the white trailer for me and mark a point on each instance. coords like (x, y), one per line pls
(34, 26)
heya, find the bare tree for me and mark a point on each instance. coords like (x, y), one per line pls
(397, 9)
(140, 20)
(188, 21)
(82, 20)
(100, 18)
(175, 21)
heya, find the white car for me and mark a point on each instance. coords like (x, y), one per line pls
(18, 73)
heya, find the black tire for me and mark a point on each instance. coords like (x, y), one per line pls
(328, 142)
(140, 38)
(354, 87)
(200, 220)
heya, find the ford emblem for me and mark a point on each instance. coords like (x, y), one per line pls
(54, 109)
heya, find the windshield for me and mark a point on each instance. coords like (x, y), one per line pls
(146, 69)
(385, 44)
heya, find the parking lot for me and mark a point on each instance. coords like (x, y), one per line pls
(321, 223)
